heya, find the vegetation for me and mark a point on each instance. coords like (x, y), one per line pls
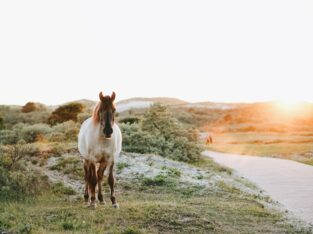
(160, 133)
(16, 178)
(31, 106)
(1, 123)
(295, 145)
(65, 113)
(29, 203)
(149, 206)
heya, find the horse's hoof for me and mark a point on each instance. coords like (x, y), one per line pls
(102, 203)
(92, 206)
(116, 206)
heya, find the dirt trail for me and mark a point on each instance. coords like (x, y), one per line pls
(288, 182)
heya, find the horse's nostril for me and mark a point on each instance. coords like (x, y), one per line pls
(107, 132)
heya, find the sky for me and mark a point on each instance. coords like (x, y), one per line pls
(224, 51)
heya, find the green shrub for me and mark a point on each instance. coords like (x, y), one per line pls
(130, 120)
(20, 180)
(11, 155)
(35, 132)
(13, 115)
(67, 226)
(8, 137)
(131, 230)
(160, 133)
(138, 141)
(159, 180)
(1, 123)
(172, 171)
(69, 130)
(65, 113)
(59, 188)
(121, 165)
(56, 137)
(25, 132)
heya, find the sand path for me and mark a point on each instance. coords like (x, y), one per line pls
(288, 182)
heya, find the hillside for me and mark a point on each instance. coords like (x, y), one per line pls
(164, 185)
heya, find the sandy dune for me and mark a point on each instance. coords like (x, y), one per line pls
(288, 182)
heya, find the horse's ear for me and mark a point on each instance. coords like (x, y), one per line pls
(113, 96)
(101, 96)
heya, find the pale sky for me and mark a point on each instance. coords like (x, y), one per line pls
(226, 51)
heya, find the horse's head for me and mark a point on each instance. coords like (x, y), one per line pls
(105, 113)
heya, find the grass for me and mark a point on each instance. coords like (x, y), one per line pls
(59, 188)
(161, 210)
(120, 166)
(161, 204)
(297, 146)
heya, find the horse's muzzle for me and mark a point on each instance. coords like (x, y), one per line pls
(107, 132)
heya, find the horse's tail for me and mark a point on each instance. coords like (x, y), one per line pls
(92, 175)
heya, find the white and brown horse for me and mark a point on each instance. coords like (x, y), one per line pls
(100, 143)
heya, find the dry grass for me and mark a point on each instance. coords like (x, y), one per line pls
(296, 146)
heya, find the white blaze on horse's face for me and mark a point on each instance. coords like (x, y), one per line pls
(106, 114)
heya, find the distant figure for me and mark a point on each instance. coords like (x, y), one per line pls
(209, 140)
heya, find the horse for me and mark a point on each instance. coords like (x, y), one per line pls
(100, 143)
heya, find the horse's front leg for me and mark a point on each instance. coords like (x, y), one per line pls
(86, 170)
(92, 182)
(111, 181)
(100, 171)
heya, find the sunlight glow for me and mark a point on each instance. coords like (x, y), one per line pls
(289, 106)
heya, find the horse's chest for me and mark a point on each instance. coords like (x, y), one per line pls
(100, 152)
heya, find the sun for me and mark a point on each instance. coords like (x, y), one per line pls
(288, 106)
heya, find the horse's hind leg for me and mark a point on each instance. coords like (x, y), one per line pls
(86, 170)
(111, 181)
(100, 171)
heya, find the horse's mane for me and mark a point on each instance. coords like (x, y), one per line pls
(95, 114)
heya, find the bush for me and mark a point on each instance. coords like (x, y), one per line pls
(159, 180)
(160, 133)
(8, 137)
(130, 120)
(65, 113)
(12, 154)
(138, 141)
(70, 130)
(13, 115)
(82, 117)
(31, 106)
(1, 123)
(17, 179)
(36, 132)
(25, 132)
(60, 188)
